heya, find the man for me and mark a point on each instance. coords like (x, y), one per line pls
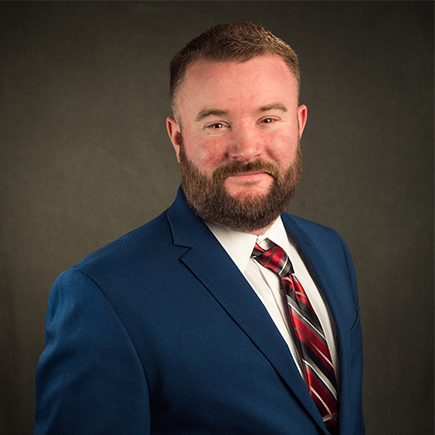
(223, 315)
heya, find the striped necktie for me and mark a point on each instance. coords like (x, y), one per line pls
(309, 337)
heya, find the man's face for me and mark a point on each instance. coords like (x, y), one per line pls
(239, 141)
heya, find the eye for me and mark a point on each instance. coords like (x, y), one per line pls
(268, 120)
(216, 126)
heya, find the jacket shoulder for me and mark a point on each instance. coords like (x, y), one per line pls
(314, 230)
(130, 249)
(325, 241)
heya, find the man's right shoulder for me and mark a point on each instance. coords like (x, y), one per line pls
(130, 248)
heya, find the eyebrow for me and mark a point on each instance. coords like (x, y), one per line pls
(274, 106)
(218, 112)
(210, 112)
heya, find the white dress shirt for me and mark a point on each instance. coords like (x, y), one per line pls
(267, 285)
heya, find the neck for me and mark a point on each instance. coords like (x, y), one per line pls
(259, 232)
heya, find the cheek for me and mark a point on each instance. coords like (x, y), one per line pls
(282, 148)
(206, 153)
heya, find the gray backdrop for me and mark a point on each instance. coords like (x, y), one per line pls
(85, 158)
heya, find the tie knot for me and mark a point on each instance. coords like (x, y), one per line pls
(274, 259)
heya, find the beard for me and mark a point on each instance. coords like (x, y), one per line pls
(210, 200)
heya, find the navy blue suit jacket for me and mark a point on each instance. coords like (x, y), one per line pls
(160, 333)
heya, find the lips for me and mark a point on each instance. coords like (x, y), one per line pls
(249, 174)
(251, 169)
(249, 178)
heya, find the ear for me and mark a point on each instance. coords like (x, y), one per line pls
(302, 118)
(174, 132)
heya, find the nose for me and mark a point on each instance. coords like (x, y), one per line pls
(245, 145)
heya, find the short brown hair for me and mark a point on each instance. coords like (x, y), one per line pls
(235, 42)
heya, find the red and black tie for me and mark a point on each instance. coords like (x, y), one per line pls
(308, 333)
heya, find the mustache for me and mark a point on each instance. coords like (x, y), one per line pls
(234, 168)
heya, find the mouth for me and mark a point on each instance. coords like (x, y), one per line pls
(249, 177)
(246, 171)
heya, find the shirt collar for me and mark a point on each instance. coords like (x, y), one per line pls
(239, 246)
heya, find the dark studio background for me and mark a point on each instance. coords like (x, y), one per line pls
(84, 158)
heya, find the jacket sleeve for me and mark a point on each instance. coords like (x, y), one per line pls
(89, 378)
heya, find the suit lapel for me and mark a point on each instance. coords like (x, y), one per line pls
(335, 293)
(210, 263)
(315, 263)
(335, 289)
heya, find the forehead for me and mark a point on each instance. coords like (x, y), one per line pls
(262, 79)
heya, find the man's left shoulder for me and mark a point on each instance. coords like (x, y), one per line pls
(299, 227)
(323, 247)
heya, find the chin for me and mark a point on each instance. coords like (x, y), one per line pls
(248, 191)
